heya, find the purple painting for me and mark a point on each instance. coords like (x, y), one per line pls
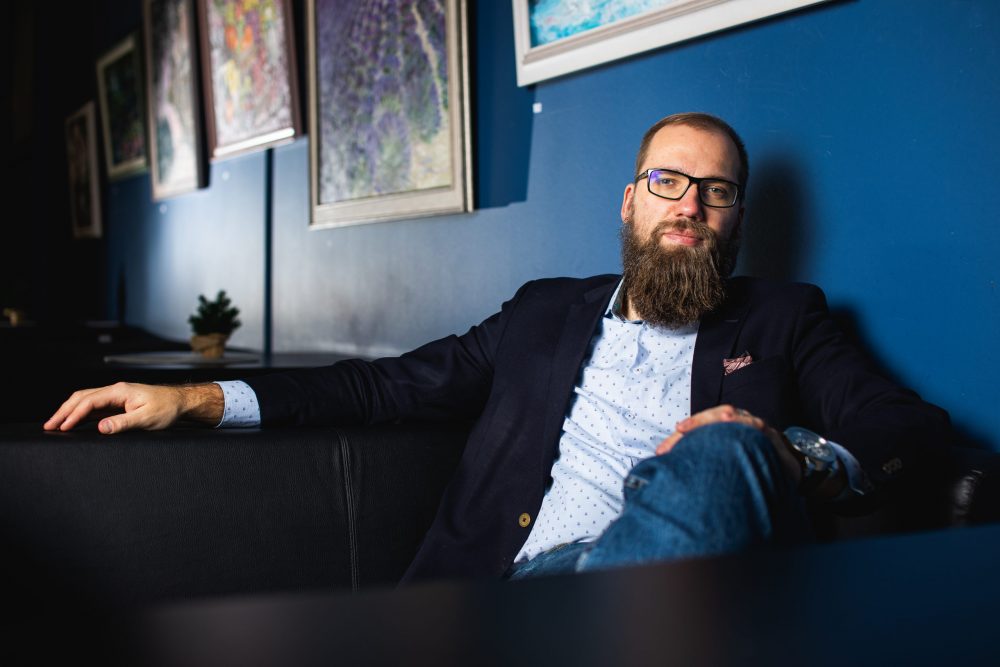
(383, 98)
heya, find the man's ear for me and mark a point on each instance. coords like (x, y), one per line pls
(627, 203)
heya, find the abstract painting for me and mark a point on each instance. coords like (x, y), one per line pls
(176, 164)
(556, 37)
(389, 122)
(251, 92)
(119, 86)
(84, 180)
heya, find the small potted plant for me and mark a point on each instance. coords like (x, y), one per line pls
(212, 324)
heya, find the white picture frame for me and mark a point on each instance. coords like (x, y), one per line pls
(674, 21)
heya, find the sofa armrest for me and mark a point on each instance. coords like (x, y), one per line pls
(139, 518)
(960, 488)
(971, 487)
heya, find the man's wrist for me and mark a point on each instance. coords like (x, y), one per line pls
(822, 477)
(203, 403)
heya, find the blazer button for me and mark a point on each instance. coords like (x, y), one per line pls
(892, 467)
(524, 520)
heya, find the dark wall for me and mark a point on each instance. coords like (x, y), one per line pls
(872, 134)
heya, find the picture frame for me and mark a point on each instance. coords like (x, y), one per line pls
(552, 38)
(123, 116)
(176, 163)
(84, 178)
(388, 113)
(249, 74)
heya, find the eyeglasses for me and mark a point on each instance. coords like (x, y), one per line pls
(668, 184)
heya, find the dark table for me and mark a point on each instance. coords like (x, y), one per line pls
(920, 599)
(39, 369)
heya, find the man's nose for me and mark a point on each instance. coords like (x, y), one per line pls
(691, 204)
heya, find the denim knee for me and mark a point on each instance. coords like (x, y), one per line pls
(724, 439)
(717, 450)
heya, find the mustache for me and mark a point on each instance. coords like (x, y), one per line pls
(699, 229)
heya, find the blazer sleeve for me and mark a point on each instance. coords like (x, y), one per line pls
(449, 378)
(889, 429)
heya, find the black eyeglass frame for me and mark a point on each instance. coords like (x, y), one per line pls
(692, 180)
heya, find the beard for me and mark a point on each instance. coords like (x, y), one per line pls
(674, 287)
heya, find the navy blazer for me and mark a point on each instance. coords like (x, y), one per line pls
(513, 376)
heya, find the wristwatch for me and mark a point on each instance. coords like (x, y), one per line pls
(818, 458)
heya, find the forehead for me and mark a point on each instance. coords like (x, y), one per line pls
(694, 151)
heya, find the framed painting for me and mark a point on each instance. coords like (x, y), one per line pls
(556, 37)
(388, 110)
(119, 88)
(251, 88)
(174, 118)
(84, 179)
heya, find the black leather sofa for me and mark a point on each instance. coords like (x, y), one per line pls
(109, 523)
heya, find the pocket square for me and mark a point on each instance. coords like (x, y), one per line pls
(730, 366)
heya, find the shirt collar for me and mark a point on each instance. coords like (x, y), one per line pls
(616, 307)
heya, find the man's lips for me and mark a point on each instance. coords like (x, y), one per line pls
(681, 238)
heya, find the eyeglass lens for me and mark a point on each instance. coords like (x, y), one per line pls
(673, 185)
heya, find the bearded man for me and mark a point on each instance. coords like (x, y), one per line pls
(669, 412)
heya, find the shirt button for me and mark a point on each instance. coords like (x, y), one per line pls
(629, 415)
(524, 520)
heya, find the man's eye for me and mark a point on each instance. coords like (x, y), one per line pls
(666, 180)
(718, 191)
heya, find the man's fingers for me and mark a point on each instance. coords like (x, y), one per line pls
(102, 398)
(709, 416)
(117, 423)
(669, 442)
(720, 413)
(84, 402)
(66, 409)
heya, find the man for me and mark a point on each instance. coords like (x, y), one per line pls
(672, 381)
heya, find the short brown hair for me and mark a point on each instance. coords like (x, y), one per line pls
(702, 121)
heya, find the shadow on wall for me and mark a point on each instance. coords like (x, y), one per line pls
(775, 231)
(776, 238)
(847, 320)
(501, 112)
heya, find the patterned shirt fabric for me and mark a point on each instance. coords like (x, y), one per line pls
(241, 406)
(633, 389)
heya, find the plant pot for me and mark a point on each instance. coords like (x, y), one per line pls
(211, 346)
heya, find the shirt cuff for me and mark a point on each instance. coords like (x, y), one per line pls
(240, 406)
(856, 481)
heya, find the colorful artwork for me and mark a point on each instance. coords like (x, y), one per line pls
(383, 92)
(174, 125)
(81, 160)
(552, 20)
(556, 37)
(249, 74)
(120, 86)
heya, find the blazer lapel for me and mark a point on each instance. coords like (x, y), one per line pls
(574, 341)
(717, 335)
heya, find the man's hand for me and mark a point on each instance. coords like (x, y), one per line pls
(727, 413)
(148, 407)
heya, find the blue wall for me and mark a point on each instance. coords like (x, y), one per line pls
(871, 127)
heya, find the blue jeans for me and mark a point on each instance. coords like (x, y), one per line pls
(720, 490)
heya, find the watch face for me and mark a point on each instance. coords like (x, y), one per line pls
(817, 450)
(810, 444)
